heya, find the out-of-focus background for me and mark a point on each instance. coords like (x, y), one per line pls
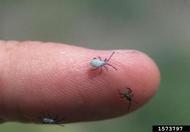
(158, 28)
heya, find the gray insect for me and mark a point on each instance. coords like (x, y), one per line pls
(98, 63)
(48, 119)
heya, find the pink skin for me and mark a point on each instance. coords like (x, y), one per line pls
(38, 78)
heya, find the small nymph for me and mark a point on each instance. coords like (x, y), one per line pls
(98, 63)
(128, 95)
(52, 120)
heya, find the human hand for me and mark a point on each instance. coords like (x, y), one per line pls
(50, 80)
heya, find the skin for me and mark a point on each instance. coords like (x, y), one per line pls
(38, 78)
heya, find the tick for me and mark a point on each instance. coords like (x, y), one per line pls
(48, 119)
(98, 63)
(128, 95)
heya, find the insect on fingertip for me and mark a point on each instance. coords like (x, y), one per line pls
(128, 95)
(99, 63)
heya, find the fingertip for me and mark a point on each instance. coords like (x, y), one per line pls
(58, 80)
(135, 70)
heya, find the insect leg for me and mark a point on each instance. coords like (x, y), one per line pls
(129, 90)
(110, 56)
(111, 66)
(105, 68)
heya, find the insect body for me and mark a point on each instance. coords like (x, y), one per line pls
(128, 95)
(98, 63)
(51, 120)
(46, 120)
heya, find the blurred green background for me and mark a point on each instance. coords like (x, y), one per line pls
(158, 28)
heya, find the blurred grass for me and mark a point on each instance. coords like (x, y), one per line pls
(159, 28)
